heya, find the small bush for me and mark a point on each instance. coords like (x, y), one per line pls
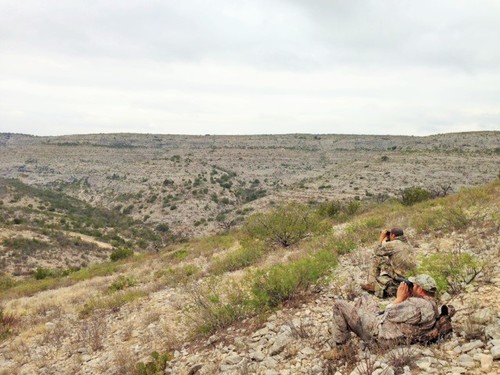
(121, 253)
(364, 231)
(281, 282)
(451, 270)
(8, 323)
(213, 309)
(401, 356)
(243, 257)
(339, 210)
(330, 209)
(112, 302)
(42, 273)
(173, 276)
(98, 269)
(344, 245)
(162, 227)
(92, 331)
(440, 218)
(6, 282)
(285, 225)
(122, 282)
(415, 194)
(156, 366)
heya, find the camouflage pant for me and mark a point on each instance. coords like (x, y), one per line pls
(384, 285)
(359, 317)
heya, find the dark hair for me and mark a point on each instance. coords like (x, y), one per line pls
(397, 232)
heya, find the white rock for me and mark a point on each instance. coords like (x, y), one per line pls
(257, 356)
(486, 362)
(316, 369)
(308, 351)
(451, 345)
(493, 331)
(212, 339)
(495, 352)
(472, 345)
(466, 361)
(232, 359)
(484, 316)
(423, 364)
(261, 332)
(269, 363)
(280, 343)
(445, 297)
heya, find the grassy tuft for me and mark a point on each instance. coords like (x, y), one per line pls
(112, 302)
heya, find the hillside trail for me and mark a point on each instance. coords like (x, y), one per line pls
(292, 340)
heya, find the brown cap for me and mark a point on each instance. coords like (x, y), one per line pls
(397, 232)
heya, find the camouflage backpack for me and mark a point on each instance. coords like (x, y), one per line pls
(442, 327)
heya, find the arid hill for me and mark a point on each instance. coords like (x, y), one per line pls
(202, 184)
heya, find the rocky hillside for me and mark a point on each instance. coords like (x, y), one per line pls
(197, 185)
(41, 228)
(246, 302)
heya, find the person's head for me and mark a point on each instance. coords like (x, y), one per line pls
(423, 285)
(395, 232)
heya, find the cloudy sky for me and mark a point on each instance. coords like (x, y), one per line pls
(249, 66)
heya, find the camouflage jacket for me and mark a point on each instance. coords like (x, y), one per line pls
(408, 319)
(395, 257)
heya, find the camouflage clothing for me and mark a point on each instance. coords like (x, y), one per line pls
(410, 319)
(391, 259)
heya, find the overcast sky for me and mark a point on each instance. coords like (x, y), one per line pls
(249, 67)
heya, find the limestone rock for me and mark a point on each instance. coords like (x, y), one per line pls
(493, 331)
(280, 343)
(484, 316)
(472, 345)
(486, 361)
(466, 361)
(495, 352)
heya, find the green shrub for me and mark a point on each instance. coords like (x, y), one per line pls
(42, 273)
(330, 209)
(173, 276)
(111, 302)
(344, 244)
(281, 282)
(122, 282)
(451, 270)
(366, 230)
(243, 257)
(442, 218)
(260, 291)
(249, 194)
(156, 366)
(211, 311)
(25, 245)
(338, 210)
(351, 208)
(415, 194)
(285, 225)
(98, 269)
(6, 282)
(162, 227)
(121, 253)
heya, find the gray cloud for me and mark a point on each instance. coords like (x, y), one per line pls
(249, 67)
